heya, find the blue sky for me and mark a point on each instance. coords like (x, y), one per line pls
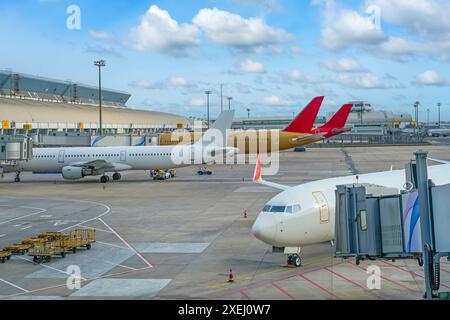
(271, 56)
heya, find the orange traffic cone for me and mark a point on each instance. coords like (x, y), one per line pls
(231, 276)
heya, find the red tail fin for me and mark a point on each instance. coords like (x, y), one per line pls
(305, 120)
(339, 118)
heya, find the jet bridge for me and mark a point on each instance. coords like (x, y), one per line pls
(374, 222)
(14, 149)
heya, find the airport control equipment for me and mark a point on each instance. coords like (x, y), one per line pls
(412, 224)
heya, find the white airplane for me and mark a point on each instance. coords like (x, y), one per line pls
(76, 163)
(305, 214)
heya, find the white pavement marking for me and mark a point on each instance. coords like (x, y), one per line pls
(107, 258)
(122, 288)
(2, 235)
(112, 245)
(13, 285)
(25, 228)
(127, 244)
(167, 247)
(97, 229)
(51, 268)
(40, 210)
(108, 209)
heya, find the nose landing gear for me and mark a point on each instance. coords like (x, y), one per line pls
(17, 178)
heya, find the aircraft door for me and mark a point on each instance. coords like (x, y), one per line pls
(324, 208)
(61, 156)
(123, 156)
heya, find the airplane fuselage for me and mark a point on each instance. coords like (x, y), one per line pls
(135, 158)
(314, 220)
(249, 141)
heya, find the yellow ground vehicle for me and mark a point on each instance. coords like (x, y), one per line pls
(32, 241)
(5, 255)
(18, 248)
(87, 237)
(43, 251)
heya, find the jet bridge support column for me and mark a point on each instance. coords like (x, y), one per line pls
(431, 258)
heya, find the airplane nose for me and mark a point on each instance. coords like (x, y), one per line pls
(265, 228)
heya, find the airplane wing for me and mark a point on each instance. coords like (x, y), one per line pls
(102, 165)
(257, 177)
(439, 161)
(311, 137)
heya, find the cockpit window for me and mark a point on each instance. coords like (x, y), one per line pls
(282, 209)
(277, 209)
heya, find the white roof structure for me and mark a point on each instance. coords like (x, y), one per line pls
(59, 115)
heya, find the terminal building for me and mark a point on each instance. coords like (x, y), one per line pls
(46, 108)
(361, 115)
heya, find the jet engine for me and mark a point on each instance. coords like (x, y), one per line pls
(73, 173)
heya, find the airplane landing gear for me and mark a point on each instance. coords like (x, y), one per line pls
(294, 260)
(117, 176)
(104, 179)
(17, 178)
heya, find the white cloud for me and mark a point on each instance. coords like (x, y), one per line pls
(250, 66)
(425, 23)
(178, 82)
(163, 84)
(421, 17)
(362, 81)
(197, 102)
(276, 101)
(431, 78)
(232, 30)
(348, 28)
(343, 65)
(100, 35)
(297, 76)
(159, 32)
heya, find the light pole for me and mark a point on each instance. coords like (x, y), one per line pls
(248, 113)
(100, 64)
(416, 107)
(439, 114)
(221, 97)
(207, 92)
(229, 102)
(428, 117)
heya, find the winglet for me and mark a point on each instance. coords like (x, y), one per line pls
(257, 176)
(305, 120)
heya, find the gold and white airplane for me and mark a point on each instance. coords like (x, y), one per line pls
(298, 133)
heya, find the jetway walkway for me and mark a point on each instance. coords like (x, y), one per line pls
(375, 222)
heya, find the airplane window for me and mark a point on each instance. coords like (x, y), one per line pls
(266, 209)
(296, 208)
(277, 209)
(289, 209)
